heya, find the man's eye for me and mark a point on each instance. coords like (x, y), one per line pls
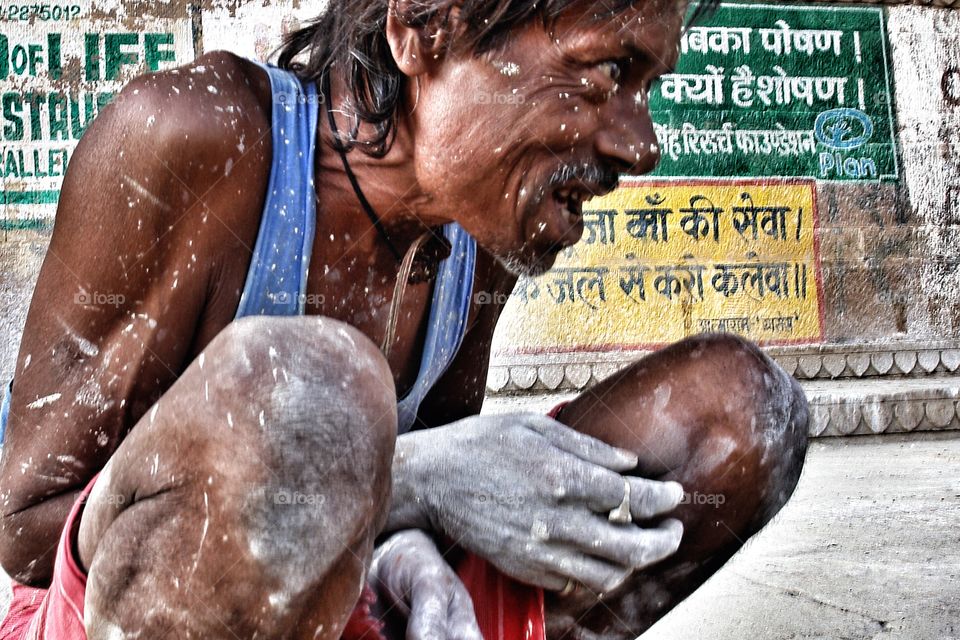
(611, 69)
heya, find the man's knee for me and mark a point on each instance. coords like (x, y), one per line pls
(296, 374)
(785, 436)
(319, 414)
(758, 443)
(266, 352)
(270, 454)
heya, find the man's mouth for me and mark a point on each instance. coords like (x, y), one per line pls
(571, 186)
(569, 202)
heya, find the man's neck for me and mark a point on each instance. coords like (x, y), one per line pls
(388, 184)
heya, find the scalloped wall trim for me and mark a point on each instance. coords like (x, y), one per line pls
(574, 372)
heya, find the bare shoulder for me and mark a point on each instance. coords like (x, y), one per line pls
(196, 135)
(220, 103)
(217, 92)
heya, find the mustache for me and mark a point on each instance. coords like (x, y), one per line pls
(591, 174)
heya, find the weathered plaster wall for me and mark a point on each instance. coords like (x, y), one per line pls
(254, 29)
(891, 256)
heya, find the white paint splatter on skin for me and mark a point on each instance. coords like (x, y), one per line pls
(85, 347)
(661, 397)
(146, 193)
(203, 534)
(90, 395)
(70, 460)
(346, 336)
(509, 69)
(39, 403)
(721, 449)
(278, 600)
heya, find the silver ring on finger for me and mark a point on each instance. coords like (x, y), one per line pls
(621, 515)
(568, 588)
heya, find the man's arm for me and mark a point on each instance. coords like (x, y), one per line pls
(123, 300)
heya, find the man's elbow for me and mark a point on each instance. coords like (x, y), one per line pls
(11, 548)
(25, 554)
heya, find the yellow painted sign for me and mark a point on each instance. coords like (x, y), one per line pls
(660, 261)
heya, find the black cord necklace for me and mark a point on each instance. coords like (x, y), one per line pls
(364, 203)
(420, 263)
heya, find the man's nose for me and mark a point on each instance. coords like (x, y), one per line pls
(629, 143)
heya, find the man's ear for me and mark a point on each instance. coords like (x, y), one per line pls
(416, 43)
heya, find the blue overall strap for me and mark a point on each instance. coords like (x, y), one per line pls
(5, 410)
(447, 323)
(277, 279)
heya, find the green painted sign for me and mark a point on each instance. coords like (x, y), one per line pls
(779, 90)
(60, 65)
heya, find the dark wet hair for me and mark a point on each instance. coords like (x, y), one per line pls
(350, 36)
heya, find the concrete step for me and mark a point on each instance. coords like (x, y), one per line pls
(548, 372)
(883, 405)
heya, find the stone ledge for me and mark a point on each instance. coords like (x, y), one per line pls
(868, 361)
(837, 408)
(574, 372)
(890, 405)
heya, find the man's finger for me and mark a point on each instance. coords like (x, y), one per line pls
(428, 614)
(649, 498)
(598, 489)
(581, 445)
(567, 564)
(624, 545)
(461, 618)
(602, 490)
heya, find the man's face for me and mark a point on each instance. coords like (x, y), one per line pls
(512, 142)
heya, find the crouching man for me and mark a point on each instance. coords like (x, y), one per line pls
(281, 411)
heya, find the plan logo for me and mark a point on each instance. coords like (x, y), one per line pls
(843, 129)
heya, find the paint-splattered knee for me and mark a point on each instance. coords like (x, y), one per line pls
(785, 449)
(751, 441)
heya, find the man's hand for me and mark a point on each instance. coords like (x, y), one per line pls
(532, 496)
(409, 570)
